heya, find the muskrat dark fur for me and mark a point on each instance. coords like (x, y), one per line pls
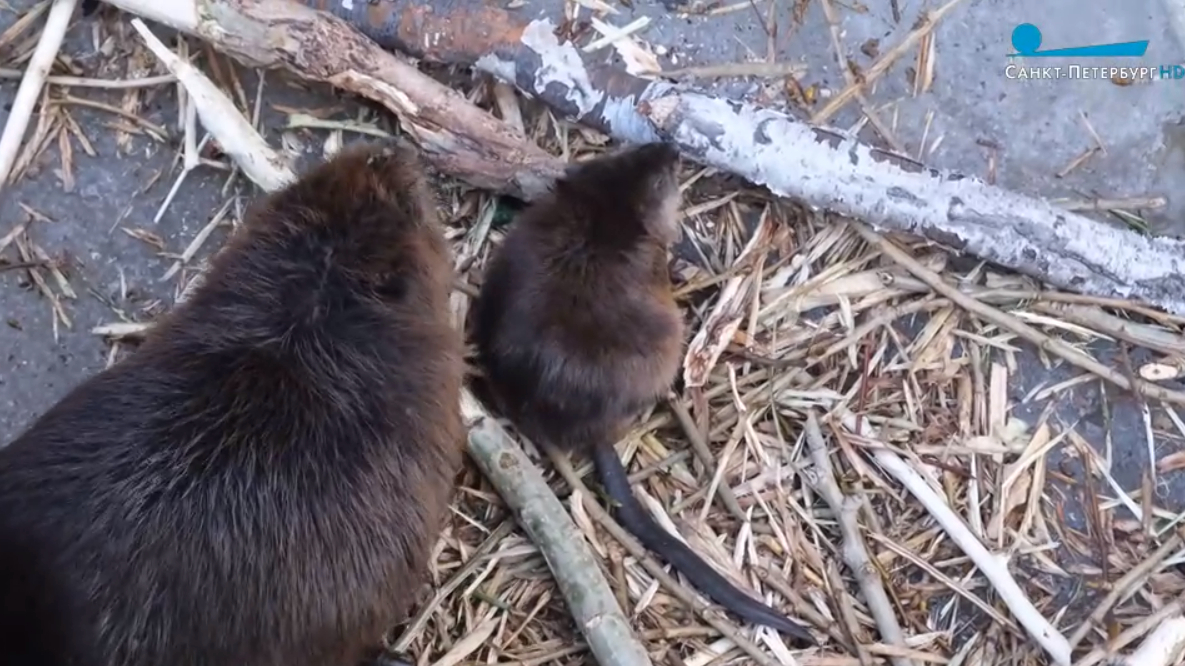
(577, 332)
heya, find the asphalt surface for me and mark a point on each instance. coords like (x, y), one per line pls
(101, 227)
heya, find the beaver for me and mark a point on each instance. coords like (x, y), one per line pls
(261, 481)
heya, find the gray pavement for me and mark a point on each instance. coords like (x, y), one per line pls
(974, 111)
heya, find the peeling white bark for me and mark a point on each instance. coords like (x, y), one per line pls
(832, 171)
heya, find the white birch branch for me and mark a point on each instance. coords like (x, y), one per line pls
(828, 169)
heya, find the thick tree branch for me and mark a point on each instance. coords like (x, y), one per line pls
(456, 137)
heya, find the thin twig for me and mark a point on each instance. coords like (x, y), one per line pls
(1051, 345)
(855, 551)
(762, 69)
(87, 82)
(1150, 202)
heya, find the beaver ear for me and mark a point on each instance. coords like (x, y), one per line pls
(658, 155)
(661, 210)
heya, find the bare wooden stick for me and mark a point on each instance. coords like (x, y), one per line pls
(458, 138)
(589, 597)
(855, 552)
(32, 83)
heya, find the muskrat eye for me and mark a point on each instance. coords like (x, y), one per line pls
(506, 207)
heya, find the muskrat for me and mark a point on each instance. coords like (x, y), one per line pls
(261, 482)
(577, 332)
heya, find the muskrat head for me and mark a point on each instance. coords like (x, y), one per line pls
(639, 182)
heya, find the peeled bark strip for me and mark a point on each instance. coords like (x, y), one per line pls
(458, 138)
(819, 166)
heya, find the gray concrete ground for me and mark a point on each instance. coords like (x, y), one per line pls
(1035, 128)
(1036, 124)
(115, 194)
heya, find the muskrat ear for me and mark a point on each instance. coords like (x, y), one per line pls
(660, 154)
(391, 151)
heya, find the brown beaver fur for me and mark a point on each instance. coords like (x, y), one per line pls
(261, 482)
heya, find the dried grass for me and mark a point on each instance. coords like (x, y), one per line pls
(817, 316)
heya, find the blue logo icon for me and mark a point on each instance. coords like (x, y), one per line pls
(1026, 39)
